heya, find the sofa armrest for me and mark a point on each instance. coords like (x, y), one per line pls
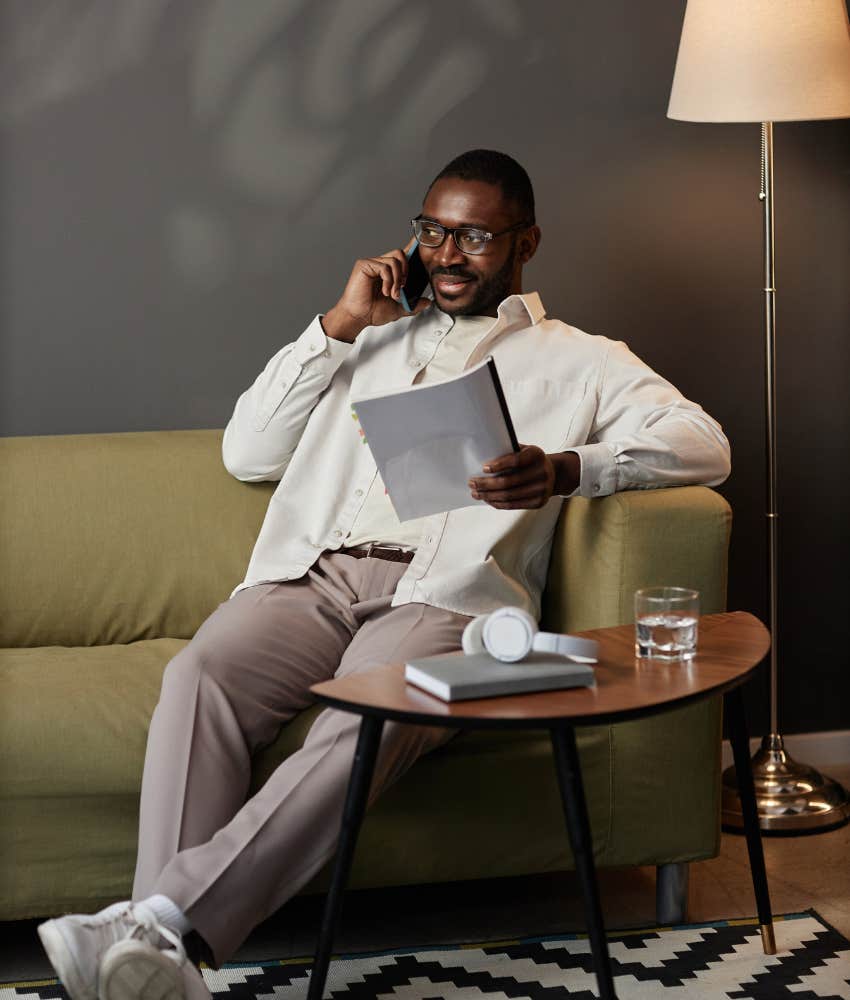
(606, 549)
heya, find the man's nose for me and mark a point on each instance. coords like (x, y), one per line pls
(447, 254)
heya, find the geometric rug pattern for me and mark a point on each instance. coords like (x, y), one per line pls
(716, 961)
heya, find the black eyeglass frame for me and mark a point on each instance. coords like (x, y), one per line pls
(480, 233)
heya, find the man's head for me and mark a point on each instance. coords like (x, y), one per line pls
(489, 192)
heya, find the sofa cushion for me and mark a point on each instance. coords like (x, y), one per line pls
(80, 719)
(74, 746)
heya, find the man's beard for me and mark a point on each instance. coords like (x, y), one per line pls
(490, 292)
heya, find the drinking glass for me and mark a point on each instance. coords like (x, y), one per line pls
(666, 622)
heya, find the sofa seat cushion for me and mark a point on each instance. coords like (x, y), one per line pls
(81, 716)
(74, 747)
(73, 750)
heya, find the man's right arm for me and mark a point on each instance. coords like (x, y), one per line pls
(270, 417)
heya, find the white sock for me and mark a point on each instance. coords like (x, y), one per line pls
(169, 913)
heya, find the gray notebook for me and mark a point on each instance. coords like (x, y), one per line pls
(479, 675)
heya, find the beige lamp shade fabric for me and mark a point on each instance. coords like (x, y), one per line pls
(762, 60)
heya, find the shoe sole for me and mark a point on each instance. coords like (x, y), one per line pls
(133, 970)
(63, 963)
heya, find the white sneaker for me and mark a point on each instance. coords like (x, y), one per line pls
(136, 970)
(75, 944)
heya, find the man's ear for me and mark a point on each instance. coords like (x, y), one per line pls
(528, 244)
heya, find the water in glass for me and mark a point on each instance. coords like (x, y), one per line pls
(666, 636)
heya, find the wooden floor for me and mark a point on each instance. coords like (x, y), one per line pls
(805, 872)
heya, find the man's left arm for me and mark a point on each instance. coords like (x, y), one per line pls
(645, 434)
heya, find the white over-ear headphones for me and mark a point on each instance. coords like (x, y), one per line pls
(509, 634)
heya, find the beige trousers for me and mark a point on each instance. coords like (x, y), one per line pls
(227, 860)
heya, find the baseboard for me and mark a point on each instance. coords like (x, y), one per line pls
(821, 750)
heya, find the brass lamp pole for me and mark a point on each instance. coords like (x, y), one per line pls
(766, 61)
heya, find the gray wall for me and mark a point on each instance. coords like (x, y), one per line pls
(185, 183)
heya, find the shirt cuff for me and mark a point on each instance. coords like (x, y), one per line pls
(598, 470)
(315, 344)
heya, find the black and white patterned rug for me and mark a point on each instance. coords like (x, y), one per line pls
(717, 961)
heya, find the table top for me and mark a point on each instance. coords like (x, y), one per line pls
(731, 645)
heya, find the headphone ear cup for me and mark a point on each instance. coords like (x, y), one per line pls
(472, 639)
(508, 634)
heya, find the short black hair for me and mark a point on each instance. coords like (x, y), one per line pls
(492, 167)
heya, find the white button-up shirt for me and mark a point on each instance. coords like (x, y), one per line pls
(566, 391)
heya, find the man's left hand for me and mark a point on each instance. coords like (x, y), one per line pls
(524, 479)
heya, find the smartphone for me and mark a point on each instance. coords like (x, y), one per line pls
(417, 279)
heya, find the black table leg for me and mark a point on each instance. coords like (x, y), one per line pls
(578, 826)
(352, 816)
(743, 772)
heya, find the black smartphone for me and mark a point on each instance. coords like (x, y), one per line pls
(417, 279)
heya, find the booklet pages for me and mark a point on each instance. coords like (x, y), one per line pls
(428, 440)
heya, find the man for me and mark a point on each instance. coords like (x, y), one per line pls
(336, 584)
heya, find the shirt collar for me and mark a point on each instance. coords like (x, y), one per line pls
(520, 306)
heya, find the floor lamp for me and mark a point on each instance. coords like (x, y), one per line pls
(767, 61)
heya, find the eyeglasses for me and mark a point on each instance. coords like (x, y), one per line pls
(467, 239)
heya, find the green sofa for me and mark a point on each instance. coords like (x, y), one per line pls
(115, 547)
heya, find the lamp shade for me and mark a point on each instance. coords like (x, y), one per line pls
(762, 60)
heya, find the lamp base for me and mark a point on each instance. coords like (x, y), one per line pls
(790, 797)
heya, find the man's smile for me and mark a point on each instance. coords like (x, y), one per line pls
(449, 283)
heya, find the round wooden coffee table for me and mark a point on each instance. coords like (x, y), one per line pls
(731, 646)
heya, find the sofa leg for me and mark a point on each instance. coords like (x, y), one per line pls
(671, 893)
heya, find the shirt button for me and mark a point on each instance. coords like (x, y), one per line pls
(429, 539)
(415, 363)
(337, 533)
(596, 487)
(358, 493)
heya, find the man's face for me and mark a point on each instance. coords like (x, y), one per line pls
(472, 284)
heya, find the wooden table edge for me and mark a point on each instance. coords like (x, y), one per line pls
(366, 693)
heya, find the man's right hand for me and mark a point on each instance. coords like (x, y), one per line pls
(371, 297)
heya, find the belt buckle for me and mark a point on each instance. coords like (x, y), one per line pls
(377, 546)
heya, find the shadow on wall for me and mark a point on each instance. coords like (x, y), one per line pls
(290, 102)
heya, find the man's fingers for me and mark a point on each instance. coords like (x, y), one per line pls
(398, 266)
(526, 465)
(527, 454)
(527, 492)
(494, 484)
(398, 256)
(518, 505)
(390, 272)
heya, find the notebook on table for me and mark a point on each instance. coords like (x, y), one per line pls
(455, 677)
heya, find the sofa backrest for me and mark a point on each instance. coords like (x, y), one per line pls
(110, 538)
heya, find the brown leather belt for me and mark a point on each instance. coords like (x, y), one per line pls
(387, 552)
